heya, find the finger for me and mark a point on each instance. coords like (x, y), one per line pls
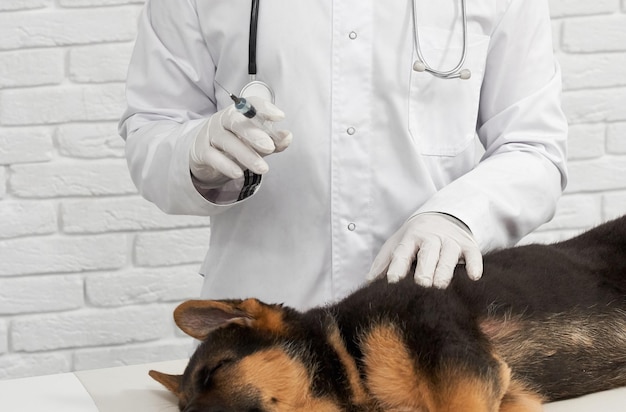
(266, 109)
(401, 259)
(232, 146)
(378, 267)
(255, 137)
(448, 259)
(382, 259)
(282, 139)
(427, 258)
(473, 263)
(219, 162)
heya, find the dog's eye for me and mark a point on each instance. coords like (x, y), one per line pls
(206, 373)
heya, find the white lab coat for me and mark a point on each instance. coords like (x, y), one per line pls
(374, 141)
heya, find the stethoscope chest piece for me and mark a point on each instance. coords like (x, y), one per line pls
(259, 89)
(420, 65)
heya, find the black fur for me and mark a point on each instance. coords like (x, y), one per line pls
(556, 315)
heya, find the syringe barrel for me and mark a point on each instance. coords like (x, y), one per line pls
(245, 108)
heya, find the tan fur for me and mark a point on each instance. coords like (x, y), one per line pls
(171, 382)
(463, 391)
(520, 398)
(265, 317)
(394, 378)
(391, 374)
(284, 382)
(516, 339)
(250, 312)
(359, 394)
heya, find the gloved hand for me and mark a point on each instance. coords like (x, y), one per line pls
(439, 241)
(229, 143)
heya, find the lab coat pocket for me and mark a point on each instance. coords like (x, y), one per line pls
(443, 112)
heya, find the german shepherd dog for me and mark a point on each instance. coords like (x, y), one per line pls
(545, 322)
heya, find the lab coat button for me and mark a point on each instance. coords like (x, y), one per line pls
(351, 227)
(352, 35)
(351, 131)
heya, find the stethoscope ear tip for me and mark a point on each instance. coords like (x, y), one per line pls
(419, 66)
(465, 74)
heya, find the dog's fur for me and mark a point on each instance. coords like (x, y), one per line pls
(545, 322)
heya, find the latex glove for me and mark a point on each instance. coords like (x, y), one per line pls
(439, 241)
(229, 143)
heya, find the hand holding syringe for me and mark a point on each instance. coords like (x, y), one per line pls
(248, 110)
(229, 143)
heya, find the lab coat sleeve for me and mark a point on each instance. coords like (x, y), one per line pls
(522, 174)
(169, 96)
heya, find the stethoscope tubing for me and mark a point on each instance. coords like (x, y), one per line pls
(454, 73)
(264, 89)
(255, 87)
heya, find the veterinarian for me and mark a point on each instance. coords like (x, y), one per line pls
(367, 158)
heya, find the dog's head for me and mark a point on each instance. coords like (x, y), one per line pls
(252, 358)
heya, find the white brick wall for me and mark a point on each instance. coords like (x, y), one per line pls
(90, 272)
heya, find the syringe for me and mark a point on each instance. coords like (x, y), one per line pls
(248, 110)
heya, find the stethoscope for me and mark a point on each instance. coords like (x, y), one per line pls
(255, 87)
(258, 88)
(420, 65)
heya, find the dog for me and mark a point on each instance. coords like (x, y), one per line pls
(544, 323)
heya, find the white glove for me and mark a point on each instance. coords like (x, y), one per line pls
(229, 143)
(439, 241)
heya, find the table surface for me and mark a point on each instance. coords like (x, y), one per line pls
(130, 389)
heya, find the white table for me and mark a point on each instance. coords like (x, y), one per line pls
(130, 389)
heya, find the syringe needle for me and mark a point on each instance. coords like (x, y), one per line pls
(232, 96)
(248, 110)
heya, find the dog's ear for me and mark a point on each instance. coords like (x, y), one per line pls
(198, 318)
(171, 382)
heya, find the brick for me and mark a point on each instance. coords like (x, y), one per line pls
(27, 218)
(4, 338)
(606, 173)
(52, 254)
(139, 286)
(594, 34)
(89, 327)
(32, 68)
(172, 349)
(63, 27)
(556, 34)
(75, 178)
(101, 63)
(614, 205)
(562, 8)
(121, 214)
(586, 141)
(594, 106)
(50, 105)
(12, 5)
(22, 365)
(89, 3)
(90, 140)
(3, 179)
(616, 138)
(583, 71)
(40, 294)
(25, 145)
(171, 248)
